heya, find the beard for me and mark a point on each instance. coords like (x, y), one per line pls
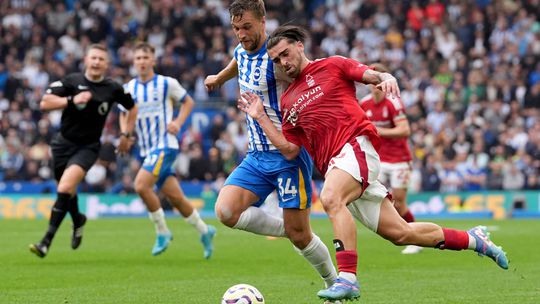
(251, 45)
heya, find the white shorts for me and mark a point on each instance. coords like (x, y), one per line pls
(361, 161)
(395, 175)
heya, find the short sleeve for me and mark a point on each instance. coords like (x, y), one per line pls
(176, 92)
(62, 88)
(123, 97)
(351, 68)
(397, 109)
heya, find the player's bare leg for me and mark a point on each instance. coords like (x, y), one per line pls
(308, 244)
(66, 189)
(234, 209)
(177, 198)
(393, 228)
(400, 203)
(144, 183)
(339, 189)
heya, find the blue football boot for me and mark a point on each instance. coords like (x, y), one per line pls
(341, 290)
(206, 240)
(485, 247)
(162, 242)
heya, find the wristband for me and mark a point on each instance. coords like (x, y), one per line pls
(70, 100)
(126, 134)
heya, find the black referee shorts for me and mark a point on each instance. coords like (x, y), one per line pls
(66, 153)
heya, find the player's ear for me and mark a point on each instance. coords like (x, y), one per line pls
(300, 45)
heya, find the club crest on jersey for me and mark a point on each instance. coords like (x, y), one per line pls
(103, 108)
(257, 74)
(369, 113)
(309, 80)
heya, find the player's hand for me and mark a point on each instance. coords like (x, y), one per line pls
(212, 82)
(389, 86)
(251, 104)
(173, 128)
(82, 98)
(124, 146)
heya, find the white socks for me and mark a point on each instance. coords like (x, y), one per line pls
(259, 222)
(349, 276)
(158, 218)
(472, 242)
(195, 220)
(317, 254)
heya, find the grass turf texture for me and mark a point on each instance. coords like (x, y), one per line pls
(114, 265)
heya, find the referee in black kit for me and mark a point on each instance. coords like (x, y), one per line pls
(86, 99)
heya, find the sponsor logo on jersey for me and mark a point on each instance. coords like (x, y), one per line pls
(293, 116)
(103, 108)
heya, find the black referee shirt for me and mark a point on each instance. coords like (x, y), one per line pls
(84, 125)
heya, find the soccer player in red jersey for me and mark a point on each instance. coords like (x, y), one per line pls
(321, 113)
(388, 115)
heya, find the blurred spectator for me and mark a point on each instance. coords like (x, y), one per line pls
(215, 164)
(125, 186)
(94, 181)
(431, 181)
(451, 178)
(198, 165)
(12, 162)
(513, 178)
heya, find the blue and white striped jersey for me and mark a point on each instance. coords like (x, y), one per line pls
(257, 74)
(156, 100)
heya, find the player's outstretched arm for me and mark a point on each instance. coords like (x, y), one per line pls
(383, 81)
(213, 82)
(252, 105)
(175, 125)
(51, 102)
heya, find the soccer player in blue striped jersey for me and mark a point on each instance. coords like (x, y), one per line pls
(265, 169)
(157, 98)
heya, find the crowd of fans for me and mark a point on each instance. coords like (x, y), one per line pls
(469, 73)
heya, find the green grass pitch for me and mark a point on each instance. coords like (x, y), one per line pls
(114, 265)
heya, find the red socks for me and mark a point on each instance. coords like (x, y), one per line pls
(454, 240)
(347, 261)
(408, 217)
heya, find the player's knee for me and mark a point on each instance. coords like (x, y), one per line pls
(298, 236)
(330, 202)
(176, 198)
(139, 187)
(225, 215)
(65, 188)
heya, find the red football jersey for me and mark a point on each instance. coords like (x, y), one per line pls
(385, 114)
(321, 112)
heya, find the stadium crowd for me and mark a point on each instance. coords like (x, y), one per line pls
(469, 73)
